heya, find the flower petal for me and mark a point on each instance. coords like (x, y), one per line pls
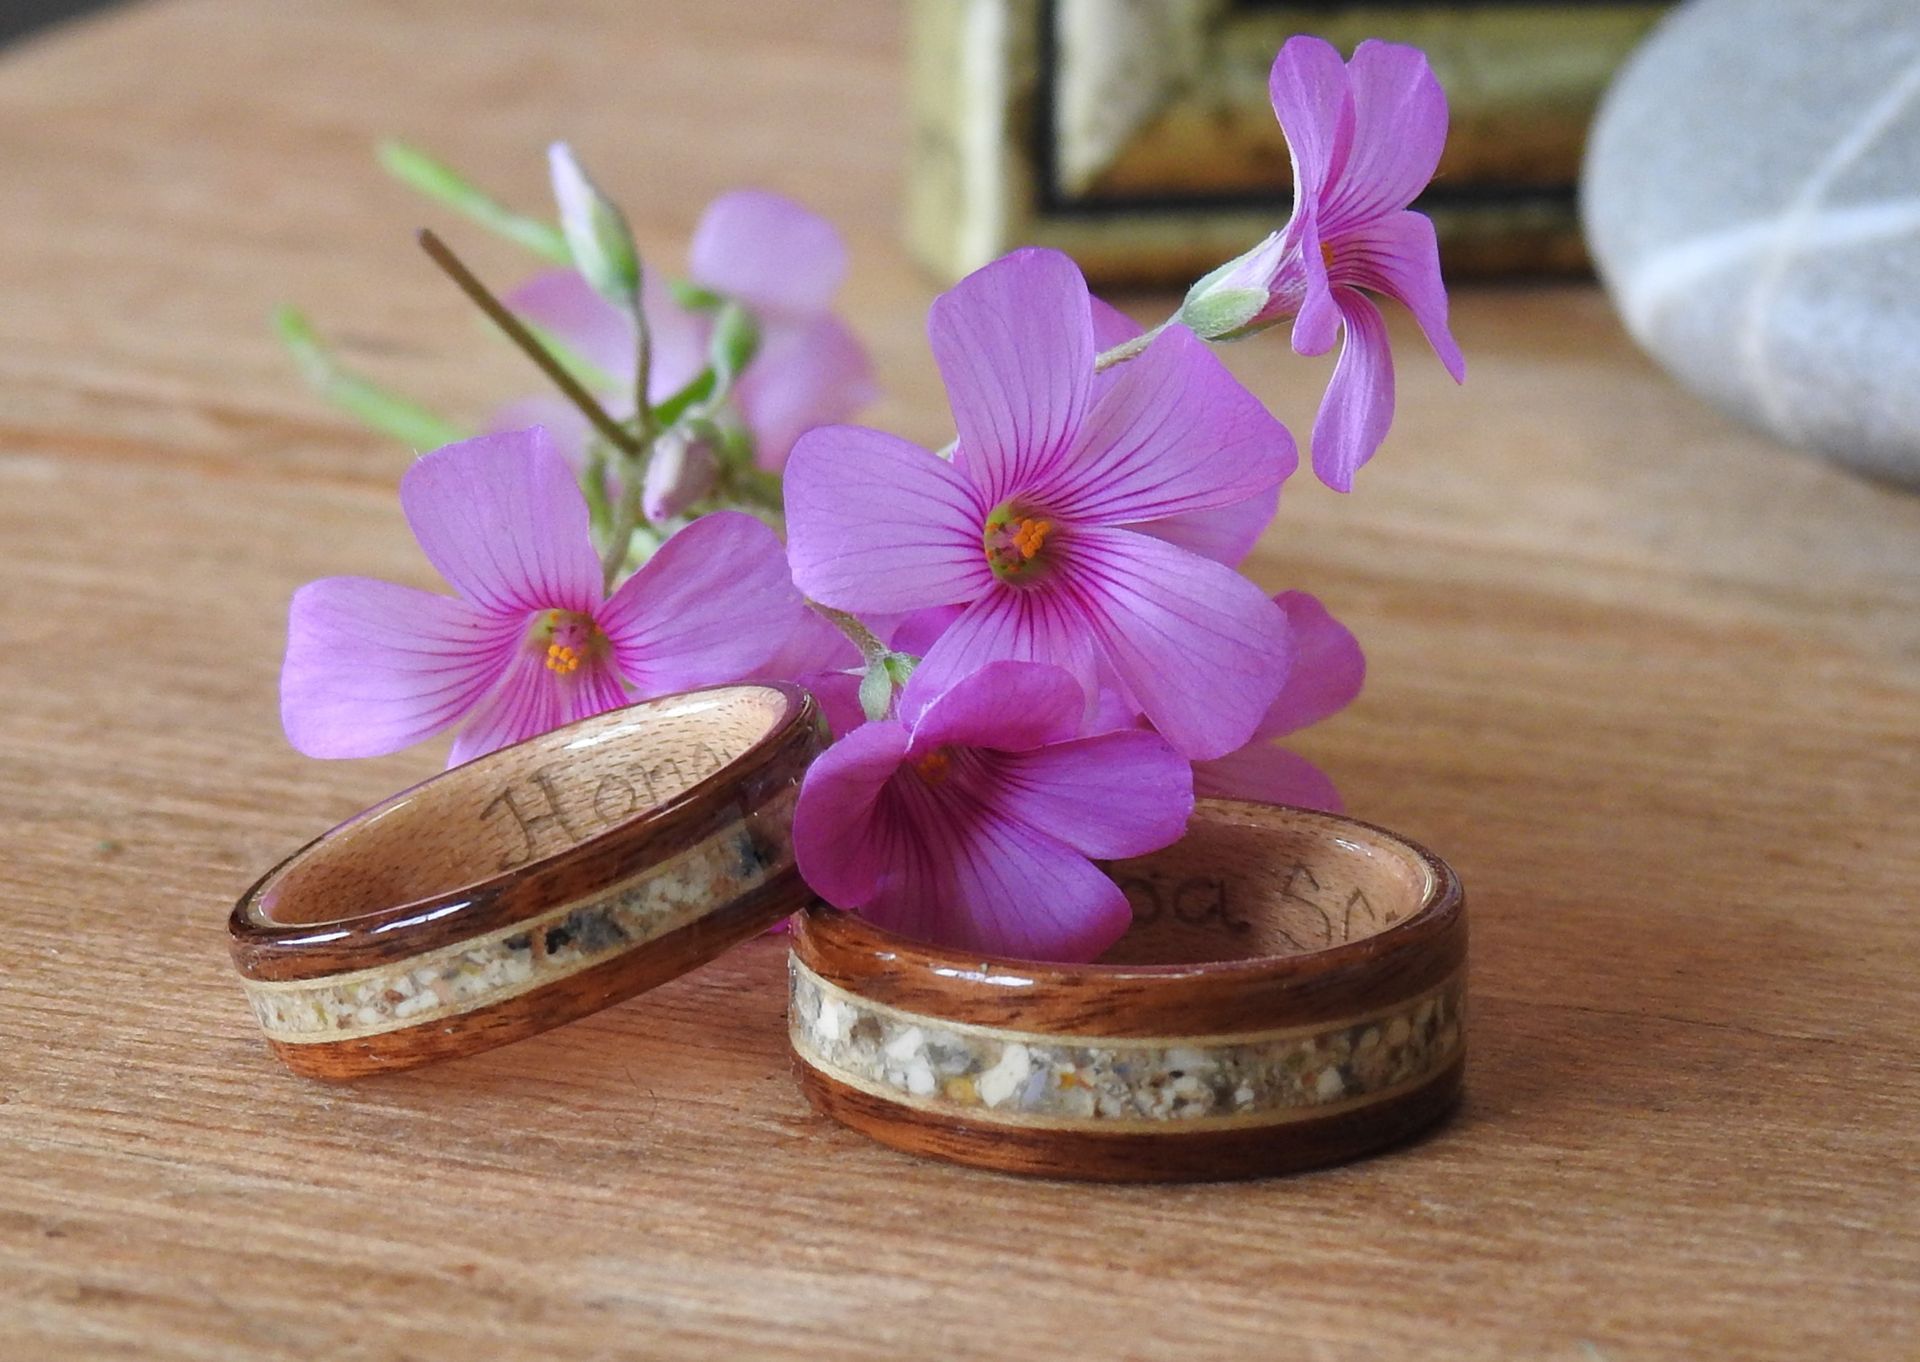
(1014, 343)
(373, 667)
(1313, 100)
(1328, 667)
(1011, 625)
(842, 854)
(565, 304)
(1202, 652)
(1007, 706)
(803, 377)
(1399, 129)
(527, 702)
(974, 879)
(711, 605)
(1398, 256)
(1357, 410)
(574, 312)
(502, 519)
(877, 523)
(1175, 433)
(569, 431)
(1225, 534)
(1268, 774)
(767, 251)
(1119, 794)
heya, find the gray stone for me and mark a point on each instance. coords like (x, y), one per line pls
(1752, 198)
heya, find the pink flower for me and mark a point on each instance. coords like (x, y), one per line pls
(782, 263)
(1059, 522)
(1365, 138)
(970, 819)
(529, 641)
(1328, 669)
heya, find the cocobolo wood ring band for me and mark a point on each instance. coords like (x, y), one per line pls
(1291, 993)
(532, 886)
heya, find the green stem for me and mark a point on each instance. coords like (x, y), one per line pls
(1127, 349)
(517, 332)
(872, 650)
(443, 184)
(387, 412)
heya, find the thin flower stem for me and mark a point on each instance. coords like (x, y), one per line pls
(1127, 349)
(872, 650)
(511, 326)
(626, 519)
(642, 368)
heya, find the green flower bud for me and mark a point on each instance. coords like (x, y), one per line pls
(597, 234)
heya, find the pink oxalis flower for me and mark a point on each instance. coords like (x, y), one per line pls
(1365, 138)
(970, 819)
(529, 640)
(1328, 670)
(782, 263)
(1059, 523)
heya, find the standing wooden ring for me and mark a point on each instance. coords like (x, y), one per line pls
(531, 886)
(1292, 993)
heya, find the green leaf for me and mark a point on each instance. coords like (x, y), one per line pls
(387, 412)
(736, 340)
(441, 183)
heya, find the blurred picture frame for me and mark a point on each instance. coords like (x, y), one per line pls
(1137, 135)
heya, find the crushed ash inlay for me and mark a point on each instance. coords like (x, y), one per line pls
(1022, 1078)
(528, 955)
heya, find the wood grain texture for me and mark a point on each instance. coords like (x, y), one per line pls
(1648, 682)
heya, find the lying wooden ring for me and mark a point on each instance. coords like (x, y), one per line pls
(531, 886)
(1291, 993)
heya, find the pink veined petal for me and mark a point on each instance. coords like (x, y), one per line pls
(967, 876)
(838, 695)
(527, 702)
(803, 377)
(1175, 433)
(562, 302)
(877, 523)
(1225, 534)
(565, 426)
(812, 645)
(711, 605)
(1198, 647)
(373, 667)
(842, 855)
(1118, 794)
(1318, 321)
(1014, 343)
(1313, 99)
(502, 519)
(1008, 706)
(918, 632)
(1398, 256)
(768, 252)
(1268, 774)
(1399, 129)
(1358, 407)
(1008, 624)
(1328, 667)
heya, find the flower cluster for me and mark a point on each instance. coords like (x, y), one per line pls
(1034, 646)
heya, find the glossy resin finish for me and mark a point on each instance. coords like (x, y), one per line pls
(1292, 993)
(532, 886)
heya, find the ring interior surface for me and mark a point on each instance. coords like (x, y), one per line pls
(1292, 993)
(531, 886)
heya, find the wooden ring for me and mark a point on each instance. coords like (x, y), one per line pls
(1291, 993)
(531, 886)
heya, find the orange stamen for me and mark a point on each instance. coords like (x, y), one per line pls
(933, 767)
(1029, 535)
(1326, 253)
(562, 659)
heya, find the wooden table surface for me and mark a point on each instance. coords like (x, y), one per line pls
(1649, 681)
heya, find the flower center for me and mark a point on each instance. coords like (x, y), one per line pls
(568, 639)
(1326, 253)
(933, 767)
(1015, 541)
